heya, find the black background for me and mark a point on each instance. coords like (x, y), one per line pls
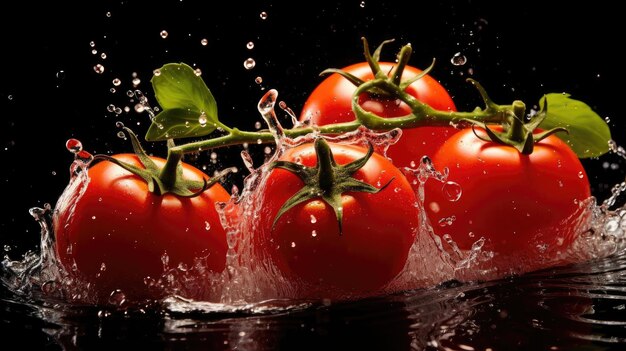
(50, 92)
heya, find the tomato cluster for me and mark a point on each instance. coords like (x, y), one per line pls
(335, 219)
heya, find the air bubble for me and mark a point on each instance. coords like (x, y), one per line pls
(250, 45)
(117, 82)
(164, 34)
(263, 15)
(258, 80)
(362, 4)
(103, 56)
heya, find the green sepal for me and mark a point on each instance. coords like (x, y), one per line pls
(327, 180)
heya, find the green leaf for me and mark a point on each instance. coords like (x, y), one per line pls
(178, 123)
(588, 132)
(184, 98)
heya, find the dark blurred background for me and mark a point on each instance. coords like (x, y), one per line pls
(50, 91)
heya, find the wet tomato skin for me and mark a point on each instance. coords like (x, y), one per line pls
(331, 102)
(116, 233)
(520, 204)
(305, 244)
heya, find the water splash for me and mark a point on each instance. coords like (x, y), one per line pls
(250, 280)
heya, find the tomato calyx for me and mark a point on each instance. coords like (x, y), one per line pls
(394, 77)
(327, 180)
(518, 130)
(159, 181)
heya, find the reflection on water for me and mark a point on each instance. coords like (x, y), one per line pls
(575, 307)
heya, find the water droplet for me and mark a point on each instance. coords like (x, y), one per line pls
(103, 56)
(267, 150)
(103, 267)
(93, 217)
(60, 74)
(139, 108)
(119, 124)
(94, 51)
(74, 146)
(54, 173)
(117, 82)
(164, 34)
(7, 248)
(452, 191)
(607, 119)
(249, 63)
(202, 119)
(444, 222)
(263, 15)
(258, 80)
(257, 125)
(68, 250)
(165, 259)
(117, 297)
(197, 72)
(108, 14)
(362, 4)
(204, 42)
(397, 190)
(250, 45)
(314, 233)
(313, 219)
(458, 59)
(156, 72)
(581, 175)
(98, 68)
(10, 97)
(121, 135)
(293, 244)
(207, 225)
(92, 44)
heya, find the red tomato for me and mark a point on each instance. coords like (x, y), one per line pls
(117, 232)
(331, 102)
(305, 243)
(519, 203)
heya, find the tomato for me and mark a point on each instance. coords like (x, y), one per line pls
(305, 242)
(331, 102)
(115, 233)
(519, 203)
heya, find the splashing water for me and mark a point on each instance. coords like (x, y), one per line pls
(251, 283)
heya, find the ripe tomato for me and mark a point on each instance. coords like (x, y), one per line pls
(331, 102)
(115, 233)
(305, 243)
(519, 203)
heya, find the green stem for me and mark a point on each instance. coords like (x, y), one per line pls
(517, 132)
(168, 174)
